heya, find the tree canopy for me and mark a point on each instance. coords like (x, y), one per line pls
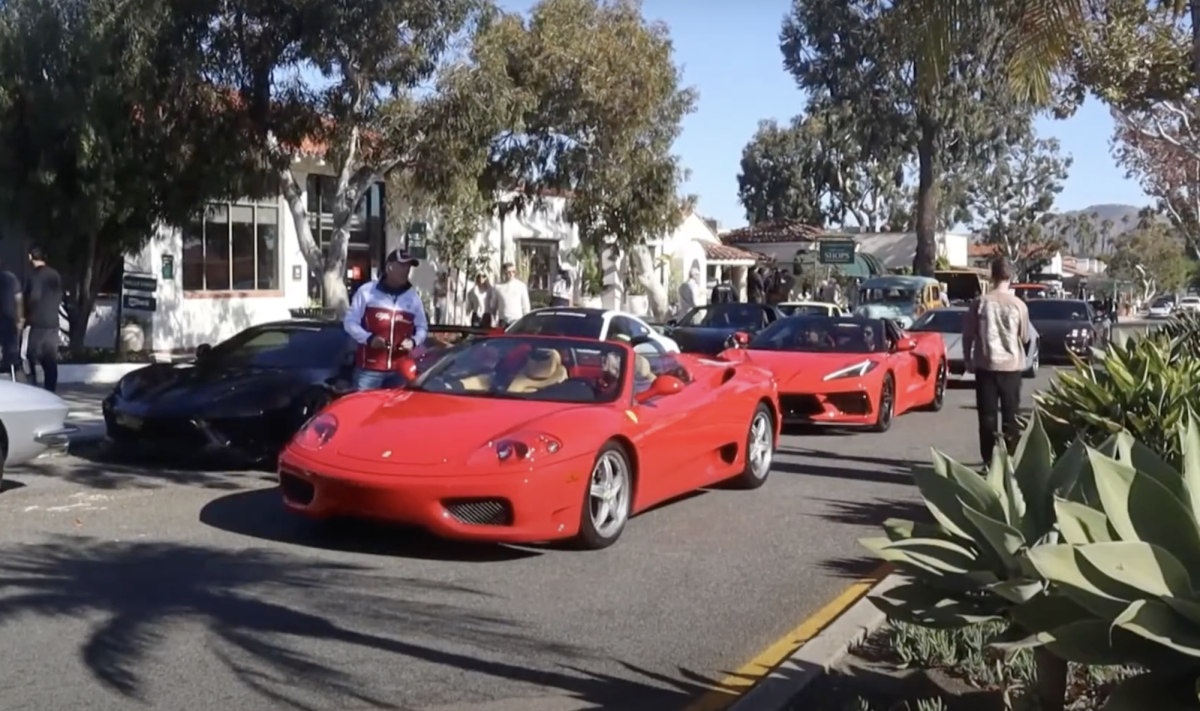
(102, 138)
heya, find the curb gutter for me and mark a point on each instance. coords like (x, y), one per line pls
(807, 664)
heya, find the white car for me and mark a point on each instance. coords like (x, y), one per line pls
(810, 308)
(1189, 303)
(599, 324)
(32, 424)
(1162, 308)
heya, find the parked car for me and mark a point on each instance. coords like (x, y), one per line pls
(1067, 326)
(240, 400)
(533, 438)
(1189, 303)
(848, 371)
(577, 322)
(708, 329)
(32, 424)
(949, 323)
(1162, 307)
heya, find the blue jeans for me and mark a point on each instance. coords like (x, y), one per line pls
(377, 379)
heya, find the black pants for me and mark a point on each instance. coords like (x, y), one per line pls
(42, 350)
(997, 399)
(10, 347)
(560, 301)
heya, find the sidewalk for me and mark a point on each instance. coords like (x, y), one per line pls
(85, 409)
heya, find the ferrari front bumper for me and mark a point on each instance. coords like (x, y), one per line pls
(521, 506)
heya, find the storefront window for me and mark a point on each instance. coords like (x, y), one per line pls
(233, 247)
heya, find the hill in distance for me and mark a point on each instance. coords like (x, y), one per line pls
(1123, 218)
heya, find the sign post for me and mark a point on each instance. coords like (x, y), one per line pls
(837, 252)
(414, 238)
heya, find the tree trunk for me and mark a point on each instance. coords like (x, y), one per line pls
(80, 304)
(660, 307)
(1051, 679)
(925, 259)
(330, 262)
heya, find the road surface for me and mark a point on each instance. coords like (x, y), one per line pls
(180, 590)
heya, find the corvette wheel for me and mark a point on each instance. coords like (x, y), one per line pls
(760, 449)
(939, 389)
(887, 405)
(608, 499)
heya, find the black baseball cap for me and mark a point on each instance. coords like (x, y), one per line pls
(401, 256)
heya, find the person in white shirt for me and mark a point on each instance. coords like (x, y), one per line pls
(690, 292)
(512, 297)
(481, 302)
(561, 295)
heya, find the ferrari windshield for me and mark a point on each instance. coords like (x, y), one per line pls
(576, 324)
(1057, 310)
(811, 334)
(529, 368)
(940, 321)
(750, 317)
(302, 347)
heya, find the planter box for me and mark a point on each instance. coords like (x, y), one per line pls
(95, 373)
(591, 302)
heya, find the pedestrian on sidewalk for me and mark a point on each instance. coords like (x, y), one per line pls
(388, 321)
(511, 297)
(10, 333)
(994, 338)
(43, 299)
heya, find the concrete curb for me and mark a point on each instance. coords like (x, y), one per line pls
(778, 689)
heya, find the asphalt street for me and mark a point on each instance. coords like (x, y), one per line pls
(147, 586)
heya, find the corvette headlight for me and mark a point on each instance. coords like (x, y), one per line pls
(854, 371)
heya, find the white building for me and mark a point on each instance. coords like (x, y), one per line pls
(241, 264)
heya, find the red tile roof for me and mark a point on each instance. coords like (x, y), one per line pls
(981, 251)
(774, 231)
(724, 252)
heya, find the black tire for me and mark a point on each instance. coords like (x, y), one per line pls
(592, 536)
(939, 389)
(755, 474)
(887, 405)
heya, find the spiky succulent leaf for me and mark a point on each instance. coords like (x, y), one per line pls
(1158, 623)
(1156, 692)
(922, 605)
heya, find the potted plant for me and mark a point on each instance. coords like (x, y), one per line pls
(133, 335)
(590, 276)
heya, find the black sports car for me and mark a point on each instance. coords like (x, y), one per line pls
(1067, 326)
(707, 329)
(242, 399)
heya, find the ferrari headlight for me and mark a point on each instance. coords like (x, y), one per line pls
(854, 371)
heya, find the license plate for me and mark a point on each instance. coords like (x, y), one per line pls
(133, 423)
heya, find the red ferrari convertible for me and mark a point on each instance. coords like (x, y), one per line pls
(848, 371)
(524, 439)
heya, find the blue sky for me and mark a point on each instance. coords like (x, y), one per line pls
(730, 53)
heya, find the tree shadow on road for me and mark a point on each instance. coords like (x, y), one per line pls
(260, 514)
(873, 512)
(834, 472)
(904, 465)
(268, 617)
(102, 466)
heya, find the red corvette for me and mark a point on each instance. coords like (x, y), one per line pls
(524, 439)
(848, 371)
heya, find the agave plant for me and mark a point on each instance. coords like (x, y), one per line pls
(1142, 387)
(968, 566)
(1131, 559)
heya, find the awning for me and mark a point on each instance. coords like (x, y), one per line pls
(723, 254)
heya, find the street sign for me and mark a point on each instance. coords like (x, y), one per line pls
(133, 302)
(140, 282)
(837, 251)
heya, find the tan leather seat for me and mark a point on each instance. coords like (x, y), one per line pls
(477, 383)
(641, 367)
(543, 369)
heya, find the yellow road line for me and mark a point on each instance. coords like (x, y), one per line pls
(729, 689)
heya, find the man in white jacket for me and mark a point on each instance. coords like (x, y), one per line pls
(511, 297)
(690, 292)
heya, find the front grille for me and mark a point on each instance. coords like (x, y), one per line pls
(480, 512)
(850, 403)
(296, 489)
(800, 406)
